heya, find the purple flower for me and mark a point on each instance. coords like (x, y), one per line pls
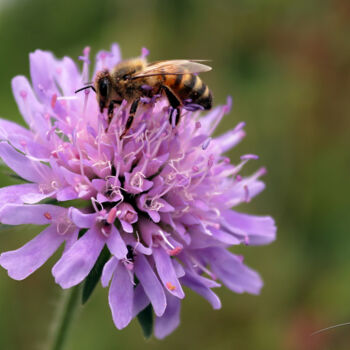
(160, 198)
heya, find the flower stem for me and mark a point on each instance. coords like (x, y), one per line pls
(65, 317)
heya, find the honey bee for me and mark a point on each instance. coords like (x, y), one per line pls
(135, 78)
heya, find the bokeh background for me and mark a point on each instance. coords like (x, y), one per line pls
(287, 66)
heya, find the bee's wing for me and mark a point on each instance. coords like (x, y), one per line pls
(173, 67)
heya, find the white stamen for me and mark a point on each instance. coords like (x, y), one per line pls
(196, 263)
(60, 98)
(165, 239)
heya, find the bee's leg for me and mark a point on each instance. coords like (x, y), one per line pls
(111, 109)
(132, 112)
(175, 103)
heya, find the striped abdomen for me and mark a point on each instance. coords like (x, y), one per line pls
(190, 89)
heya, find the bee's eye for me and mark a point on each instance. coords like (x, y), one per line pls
(103, 87)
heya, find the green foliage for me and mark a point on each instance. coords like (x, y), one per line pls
(145, 318)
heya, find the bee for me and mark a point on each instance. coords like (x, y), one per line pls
(133, 79)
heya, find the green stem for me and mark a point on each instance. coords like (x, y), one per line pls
(65, 317)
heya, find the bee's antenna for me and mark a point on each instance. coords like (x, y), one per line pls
(84, 88)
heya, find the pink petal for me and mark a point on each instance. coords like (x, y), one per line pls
(154, 215)
(140, 300)
(170, 320)
(66, 194)
(232, 272)
(228, 140)
(151, 285)
(126, 226)
(42, 67)
(8, 128)
(224, 237)
(211, 119)
(24, 261)
(244, 190)
(147, 230)
(192, 281)
(167, 272)
(31, 109)
(108, 271)
(82, 220)
(78, 261)
(116, 244)
(67, 75)
(24, 167)
(40, 214)
(23, 140)
(71, 238)
(257, 229)
(107, 59)
(121, 297)
(200, 239)
(23, 193)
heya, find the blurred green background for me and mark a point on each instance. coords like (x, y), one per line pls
(287, 66)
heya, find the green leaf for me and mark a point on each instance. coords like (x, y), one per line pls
(95, 274)
(49, 201)
(145, 318)
(76, 203)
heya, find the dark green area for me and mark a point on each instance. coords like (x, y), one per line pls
(286, 64)
(145, 318)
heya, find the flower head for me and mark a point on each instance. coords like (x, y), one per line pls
(159, 198)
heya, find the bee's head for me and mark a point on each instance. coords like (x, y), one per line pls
(103, 86)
